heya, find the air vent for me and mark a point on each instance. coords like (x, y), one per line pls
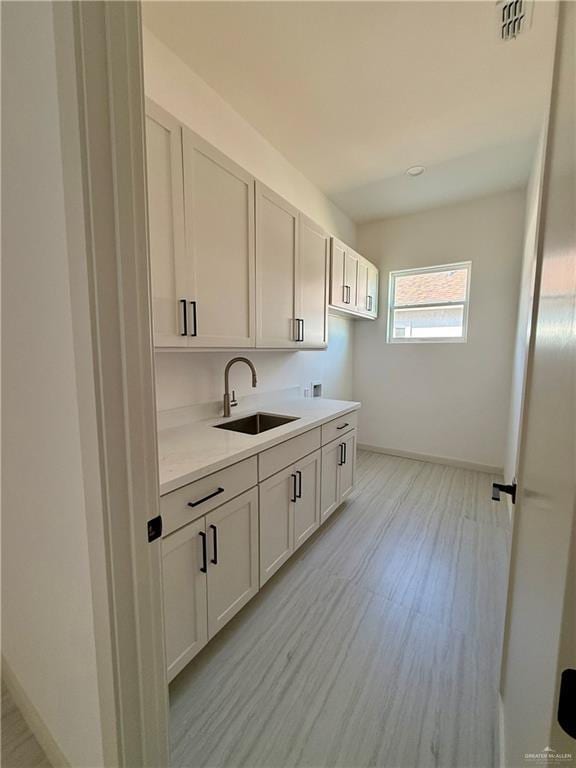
(514, 17)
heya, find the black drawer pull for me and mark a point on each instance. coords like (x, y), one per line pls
(294, 494)
(217, 492)
(214, 559)
(204, 566)
(184, 331)
(343, 425)
(194, 319)
(299, 491)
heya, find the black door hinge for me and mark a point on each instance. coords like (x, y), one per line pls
(498, 488)
(155, 528)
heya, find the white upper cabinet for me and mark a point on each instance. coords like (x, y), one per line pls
(338, 290)
(362, 286)
(219, 215)
(166, 226)
(353, 282)
(312, 285)
(276, 256)
(372, 291)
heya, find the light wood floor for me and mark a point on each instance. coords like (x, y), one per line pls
(377, 645)
(19, 747)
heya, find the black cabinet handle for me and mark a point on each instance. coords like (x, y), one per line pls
(341, 456)
(184, 331)
(342, 426)
(348, 289)
(344, 294)
(204, 566)
(217, 492)
(369, 303)
(301, 322)
(294, 495)
(194, 319)
(214, 559)
(345, 447)
(299, 491)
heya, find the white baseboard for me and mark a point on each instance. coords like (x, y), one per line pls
(501, 734)
(433, 459)
(33, 718)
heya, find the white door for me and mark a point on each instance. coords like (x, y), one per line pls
(312, 285)
(347, 464)
(330, 486)
(372, 290)
(307, 505)
(362, 287)
(277, 497)
(232, 532)
(219, 208)
(276, 252)
(170, 284)
(184, 565)
(338, 290)
(540, 640)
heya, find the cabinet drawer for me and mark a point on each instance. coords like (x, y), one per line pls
(338, 427)
(206, 494)
(275, 459)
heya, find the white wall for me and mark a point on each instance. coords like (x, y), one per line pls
(524, 319)
(198, 377)
(445, 400)
(48, 632)
(185, 378)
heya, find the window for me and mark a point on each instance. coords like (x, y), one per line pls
(429, 304)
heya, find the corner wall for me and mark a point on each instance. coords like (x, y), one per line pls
(445, 400)
(188, 378)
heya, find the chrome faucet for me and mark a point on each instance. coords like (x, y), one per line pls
(227, 402)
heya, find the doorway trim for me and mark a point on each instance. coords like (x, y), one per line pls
(107, 42)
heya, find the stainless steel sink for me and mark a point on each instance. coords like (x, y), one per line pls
(257, 423)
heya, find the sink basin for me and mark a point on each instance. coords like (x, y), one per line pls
(257, 423)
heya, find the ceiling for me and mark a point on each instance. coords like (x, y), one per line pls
(353, 93)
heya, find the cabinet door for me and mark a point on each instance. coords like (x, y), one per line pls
(232, 532)
(362, 287)
(184, 590)
(348, 465)
(312, 284)
(372, 292)
(277, 495)
(219, 207)
(338, 291)
(330, 494)
(351, 278)
(307, 505)
(276, 251)
(170, 283)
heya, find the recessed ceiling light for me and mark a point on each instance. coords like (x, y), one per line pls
(415, 170)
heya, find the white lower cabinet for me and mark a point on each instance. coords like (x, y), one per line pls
(232, 531)
(185, 595)
(289, 512)
(276, 522)
(210, 571)
(212, 566)
(338, 470)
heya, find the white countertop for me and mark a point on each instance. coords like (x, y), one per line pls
(191, 451)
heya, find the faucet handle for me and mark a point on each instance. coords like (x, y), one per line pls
(233, 401)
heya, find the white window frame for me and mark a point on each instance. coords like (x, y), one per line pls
(467, 265)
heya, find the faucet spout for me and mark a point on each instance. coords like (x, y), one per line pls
(250, 364)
